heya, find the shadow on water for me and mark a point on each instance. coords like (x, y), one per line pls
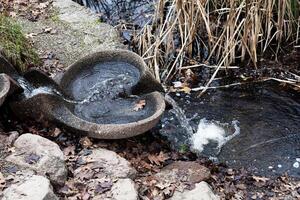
(265, 139)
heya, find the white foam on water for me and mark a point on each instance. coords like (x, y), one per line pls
(296, 165)
(212, 132)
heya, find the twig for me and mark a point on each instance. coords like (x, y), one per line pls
(294, 83)
(217, 87)
(209, 66)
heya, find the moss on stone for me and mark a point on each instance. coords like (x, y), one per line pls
(15, 46)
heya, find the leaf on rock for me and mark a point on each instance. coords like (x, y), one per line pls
(186, 90)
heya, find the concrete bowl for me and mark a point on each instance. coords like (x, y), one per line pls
(52, 107)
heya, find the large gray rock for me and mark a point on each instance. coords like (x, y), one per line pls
(202, 191)
(111, 163)
(124, 189)
(78, 32)
(41, 155)
(34, 188)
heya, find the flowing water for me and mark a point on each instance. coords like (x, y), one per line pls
(255, 127)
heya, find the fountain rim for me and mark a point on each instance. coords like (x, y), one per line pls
(6, 86)
(108, 55)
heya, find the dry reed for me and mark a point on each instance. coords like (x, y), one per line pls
(223, 31)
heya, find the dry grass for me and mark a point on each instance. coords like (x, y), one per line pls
(222, 31)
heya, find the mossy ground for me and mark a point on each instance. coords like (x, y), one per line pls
(15, 46)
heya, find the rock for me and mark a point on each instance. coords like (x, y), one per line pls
(191, 172)
(111, 163)
(78, 32)
(124, 189)
(202, 191)
(41, 155)
(34, 188)
(13, 135)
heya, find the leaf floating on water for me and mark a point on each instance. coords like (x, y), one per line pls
(186, 90)
(139, 105)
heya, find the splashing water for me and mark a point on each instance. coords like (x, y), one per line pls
(180, 115)
(206, 134)
(212, 132)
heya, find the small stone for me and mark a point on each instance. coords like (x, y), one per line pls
(34, 188)
(202, 191)
(124, 189)
(111, 163)
(13, 135)
(41, 155)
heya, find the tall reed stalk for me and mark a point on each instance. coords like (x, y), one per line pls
(224, 31)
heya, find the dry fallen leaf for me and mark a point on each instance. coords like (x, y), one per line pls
(186, 90)
(85, 142)
(262, 179)
(158, 159)
(56, 132)
(70, 150)
(139, 105)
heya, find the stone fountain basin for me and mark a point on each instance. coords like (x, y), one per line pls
(4, 87)
(100, 96)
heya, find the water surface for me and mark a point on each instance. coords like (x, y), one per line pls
(268, 121)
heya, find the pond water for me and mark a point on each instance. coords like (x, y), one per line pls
(256, 127)
(135, 12)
